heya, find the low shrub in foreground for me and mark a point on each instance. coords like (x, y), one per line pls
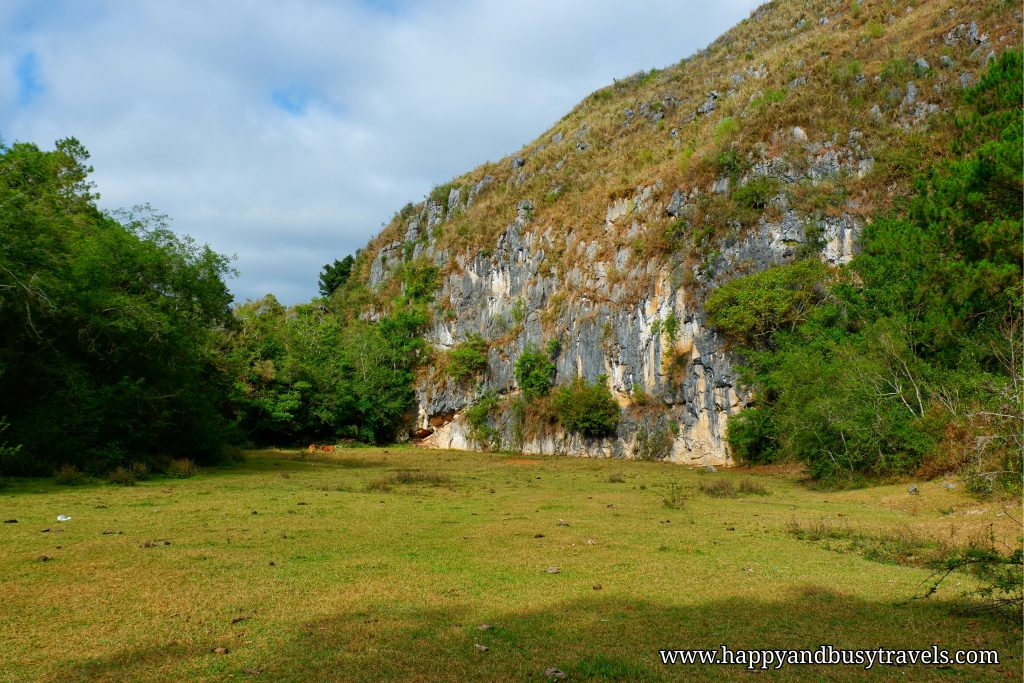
(69, 475)
(182, 468)
(409, 477)
(128, 476)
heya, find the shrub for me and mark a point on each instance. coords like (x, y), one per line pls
(468, 359)
(653, 444)
(748, 310)
(616, 478)
(419, 279)
(587, 409)
(753, 436)
(409, 478)
(478, 418)
(534, 372)
(717, 488)
(671, 325)
(554, 347)
(674, 498)
(751, 487)
(518, 310)
(639, 397)
(756, 194)
(731, 163)
(127, 476)
(182, 468)
(69, 475)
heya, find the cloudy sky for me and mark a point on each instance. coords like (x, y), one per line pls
(286, 132)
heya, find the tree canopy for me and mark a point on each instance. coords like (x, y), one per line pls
(108, 323)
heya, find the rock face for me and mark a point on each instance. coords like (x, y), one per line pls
(629, 321)
(551, 247)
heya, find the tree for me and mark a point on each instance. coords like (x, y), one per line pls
(108, 324)
(336, 274)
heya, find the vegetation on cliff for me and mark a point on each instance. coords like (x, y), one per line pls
(911, 356)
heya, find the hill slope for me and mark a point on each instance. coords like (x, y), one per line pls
(598, 244)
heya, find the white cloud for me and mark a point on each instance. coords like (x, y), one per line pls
(175, 100)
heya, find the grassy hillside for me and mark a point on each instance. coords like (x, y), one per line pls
(840, 72)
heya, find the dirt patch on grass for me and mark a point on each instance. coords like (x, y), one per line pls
(523, 461)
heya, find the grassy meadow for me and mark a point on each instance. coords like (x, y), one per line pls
(404, 564)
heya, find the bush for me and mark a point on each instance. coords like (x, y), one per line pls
(478, 418)
(69, 475)
(409, 478)
(755, 195)
(182, 468)
(534, 372)
(653, 444)
(717, 488)
(468, 359)
(674, 498)
(750, 309)
(731, 163)
(587, 409)
(127, 476)
(753, 437)
(750, 487)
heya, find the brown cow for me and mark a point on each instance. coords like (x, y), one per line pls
(327, 448)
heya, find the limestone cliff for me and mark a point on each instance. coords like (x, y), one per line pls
(779, 141)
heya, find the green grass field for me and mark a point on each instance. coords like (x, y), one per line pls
(384, 564)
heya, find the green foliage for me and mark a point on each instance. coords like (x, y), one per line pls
(729, 162)
(478, 417)
(534, 372)
(653, 444)
(468, 359)
(726, 129)
(336, 274)
(553, 347)
(756, 194)
(304, 374)
(674, 498)
(921, 330)
(108, 324)
(1000, 575)
(420, 279)
(439, 195)
(753, 437)
(518, 310)
(770, 96)
(671, 325)
(587, 409)
(749, 310)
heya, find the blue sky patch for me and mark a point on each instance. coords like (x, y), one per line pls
(293, 100)
(27, 73)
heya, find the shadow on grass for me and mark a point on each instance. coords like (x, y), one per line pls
(589, 639)
(262, 462)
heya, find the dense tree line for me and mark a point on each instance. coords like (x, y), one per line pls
(305, 373)
(109, 325)
(911, 356)
(119, 343)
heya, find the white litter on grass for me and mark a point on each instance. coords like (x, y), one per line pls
(63, 518)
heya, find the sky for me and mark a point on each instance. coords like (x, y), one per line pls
(286, 133)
